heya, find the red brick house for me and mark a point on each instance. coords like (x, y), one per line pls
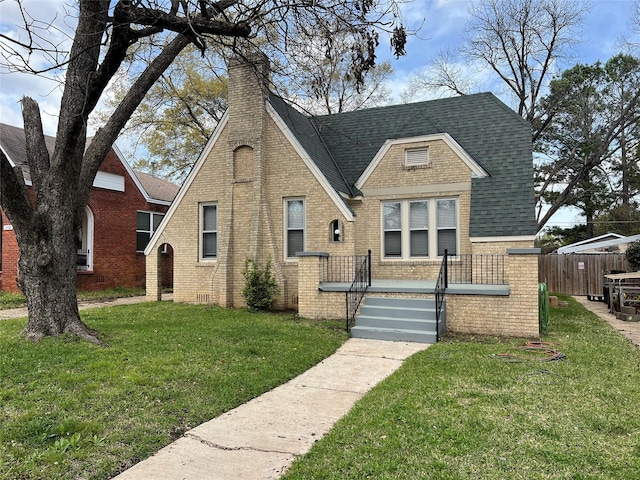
(124, 209)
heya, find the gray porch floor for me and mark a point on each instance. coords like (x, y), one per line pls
(419, 286)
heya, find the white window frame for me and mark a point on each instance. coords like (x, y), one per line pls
(392, 230)
(405, 229)
(86, 241)
(287, 228)
(202, 232)
(426, 228)
(417, 158)
(151, 230)
(440, 228)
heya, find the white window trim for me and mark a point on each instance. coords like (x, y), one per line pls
(415, 158)
(285, 225)
(88, 240)
(202, 231)
(406, 230)
(152, 231)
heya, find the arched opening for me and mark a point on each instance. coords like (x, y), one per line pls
(243, 162)
(84, 242)
(335, 231)
(165, 268)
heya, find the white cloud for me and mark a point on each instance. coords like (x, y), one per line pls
(54, 21)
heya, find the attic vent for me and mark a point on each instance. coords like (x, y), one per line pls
(416, 158)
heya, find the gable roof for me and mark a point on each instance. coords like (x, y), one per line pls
(492, 135)
(157, 188)
(12, 143)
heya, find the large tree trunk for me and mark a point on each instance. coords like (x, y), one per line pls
(49, 286)
(47, 273)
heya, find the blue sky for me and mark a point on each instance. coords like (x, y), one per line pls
(442, 21)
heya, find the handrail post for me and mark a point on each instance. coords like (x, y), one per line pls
(446, 270)
(346, 297)
(369, 260)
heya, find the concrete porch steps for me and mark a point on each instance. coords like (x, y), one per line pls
(398, 319)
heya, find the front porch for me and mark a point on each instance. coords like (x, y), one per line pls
(419, 287)
(485, 303)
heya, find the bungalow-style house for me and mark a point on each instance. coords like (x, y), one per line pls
(124, 209)
(315, 194)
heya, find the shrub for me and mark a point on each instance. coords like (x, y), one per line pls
(633, 254)
(261, 288)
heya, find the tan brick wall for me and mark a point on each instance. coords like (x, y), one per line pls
(515, 315)
(194, 280)
(250, 171)
(315, 304)
(446, 167)
(482, 248)
(442, 180)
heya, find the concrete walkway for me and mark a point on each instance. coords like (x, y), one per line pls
(631, 330)
(260, 439)
(83, 305)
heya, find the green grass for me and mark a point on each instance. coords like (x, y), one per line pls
(460, 411)
(16, 300)
(69, 409)
(11, 300)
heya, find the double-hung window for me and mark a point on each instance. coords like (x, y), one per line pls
(208, 231)
(392, 212)
(146, 224)
(446, 224)
(294, 226)
(420, 229)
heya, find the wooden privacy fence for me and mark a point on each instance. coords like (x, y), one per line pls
(579, 274)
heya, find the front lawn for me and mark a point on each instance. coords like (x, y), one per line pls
(69, 409)
(17, 300)
(459, 410)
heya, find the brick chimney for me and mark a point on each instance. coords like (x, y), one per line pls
(249, 78)
(247, 231)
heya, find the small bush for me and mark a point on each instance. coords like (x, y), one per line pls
(261, 288)
(633, 254)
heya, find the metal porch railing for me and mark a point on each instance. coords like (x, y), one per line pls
(484, 269)
(441, 287)
(361, 281)
(343, 268)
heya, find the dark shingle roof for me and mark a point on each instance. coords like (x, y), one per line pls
(306, 131)
(492, 134)
(12, 141)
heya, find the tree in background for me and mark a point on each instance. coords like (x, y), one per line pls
(106, 33)
(619, 219)
(319, 78)
(519, 41)
(177, 116)
(593, 118)
(555, 237)
(633, 254)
